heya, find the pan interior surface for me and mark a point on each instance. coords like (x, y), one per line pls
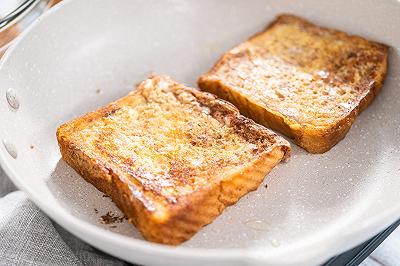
(85, 54)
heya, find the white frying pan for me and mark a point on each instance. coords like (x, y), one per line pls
(84, 54)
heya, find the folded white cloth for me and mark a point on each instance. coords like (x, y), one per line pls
(29, 237)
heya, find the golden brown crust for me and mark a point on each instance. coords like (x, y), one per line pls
(305, 81)
(162, 217)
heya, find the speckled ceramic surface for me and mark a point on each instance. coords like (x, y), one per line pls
(85, 54)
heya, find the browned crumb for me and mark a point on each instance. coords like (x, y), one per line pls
(266, 186)
(31, 147)
(98, 91)
(105, 196)
(108, 218)
(113, 226)
(111, 218)
(96, 211)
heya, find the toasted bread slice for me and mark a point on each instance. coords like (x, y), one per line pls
(305, 81)
(171, 157)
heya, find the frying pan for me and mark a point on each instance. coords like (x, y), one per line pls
(84, 54)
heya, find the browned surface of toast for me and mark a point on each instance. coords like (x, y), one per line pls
(171, 157)
(305, 81)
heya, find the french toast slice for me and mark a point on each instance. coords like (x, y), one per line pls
(170, 157)
(302, 80)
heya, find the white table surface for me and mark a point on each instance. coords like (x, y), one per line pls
(387, 254)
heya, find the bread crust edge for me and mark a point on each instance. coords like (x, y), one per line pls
(314, 139)
(190, 214)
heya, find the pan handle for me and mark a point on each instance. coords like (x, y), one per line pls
(17, 14)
